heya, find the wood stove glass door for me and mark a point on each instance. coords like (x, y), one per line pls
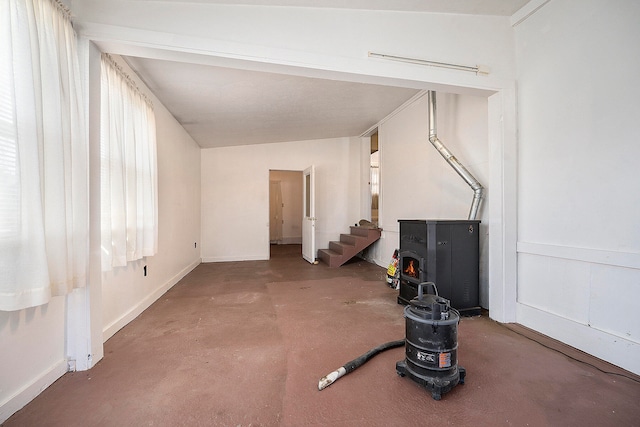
(309, 215)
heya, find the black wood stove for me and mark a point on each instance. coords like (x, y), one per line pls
(445, 252)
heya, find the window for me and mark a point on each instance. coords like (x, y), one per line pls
(9, 183)
(43, 156)
(128, 169)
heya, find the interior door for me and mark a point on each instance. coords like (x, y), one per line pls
(309, 215)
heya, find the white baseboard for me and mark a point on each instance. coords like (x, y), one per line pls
(235, 258)
(25, 395)
(121, 322)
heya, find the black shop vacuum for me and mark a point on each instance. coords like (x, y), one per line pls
(431, 346)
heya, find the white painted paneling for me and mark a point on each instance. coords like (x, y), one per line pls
(596, 256)
(556, 285)
(578, 193)
(235, 193)
(578, 108)
(606, 346)
(613, 305)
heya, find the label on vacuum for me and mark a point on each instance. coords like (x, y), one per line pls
(426, 357)
(444, 360)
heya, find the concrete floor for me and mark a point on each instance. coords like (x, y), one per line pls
(245, 343)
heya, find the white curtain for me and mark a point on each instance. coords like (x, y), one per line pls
(128, 170)
(43, 156)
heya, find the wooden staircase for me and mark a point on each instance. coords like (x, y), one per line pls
(349, 245)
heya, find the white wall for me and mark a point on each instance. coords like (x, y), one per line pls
(235, 193)
(126, 292)
(32, 353)
(417, 183)
(578, 191)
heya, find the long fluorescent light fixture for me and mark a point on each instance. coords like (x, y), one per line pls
(478, 70)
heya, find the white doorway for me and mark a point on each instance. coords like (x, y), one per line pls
(374, 178)
(285, 207)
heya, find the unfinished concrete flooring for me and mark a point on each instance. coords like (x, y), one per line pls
(245, 343)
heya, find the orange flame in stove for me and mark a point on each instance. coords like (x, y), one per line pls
(411, 270)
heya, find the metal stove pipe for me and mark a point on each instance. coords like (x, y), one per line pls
(478, 189)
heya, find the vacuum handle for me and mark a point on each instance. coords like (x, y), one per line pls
(421, 289)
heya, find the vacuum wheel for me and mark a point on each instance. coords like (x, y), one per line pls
(401, 368)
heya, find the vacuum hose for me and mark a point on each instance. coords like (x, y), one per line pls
(349, 367)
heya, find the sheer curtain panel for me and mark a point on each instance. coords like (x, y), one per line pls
(43, 156)
(128, 169)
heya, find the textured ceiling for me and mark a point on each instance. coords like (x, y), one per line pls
(224, 106)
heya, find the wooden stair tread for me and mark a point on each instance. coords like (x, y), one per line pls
(341, 247)
(329, 252)
(351, 238)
